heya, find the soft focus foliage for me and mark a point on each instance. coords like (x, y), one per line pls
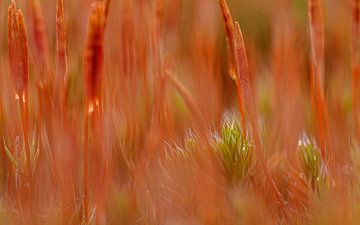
(174, 112)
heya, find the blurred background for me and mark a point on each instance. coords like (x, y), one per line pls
(144, 119)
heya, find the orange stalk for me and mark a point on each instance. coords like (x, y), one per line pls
(355, 64)
(189, 101)
(317, 54)
(244, 74)
(316, 33)
(241, 107)
(93, 66)
(243, 68)
(233, 70)
(230, 39)
(61, 79)
(18, 50)
(239, 61)
(107, 8)
(40, 39)
(61, 49)
(86, 169)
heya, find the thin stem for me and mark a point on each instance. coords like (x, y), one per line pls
(354, 94)
(321, 114)
(23, 103)
(241, 107)
(86, 167)
(355, 62)
(190, 102)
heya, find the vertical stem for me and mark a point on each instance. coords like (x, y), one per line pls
(259, 148)
(97, 168)
(63, 102)
(355, 44)
(23, 103)
(86, 167)
(354, 93)
(321, 113)
(241, 107)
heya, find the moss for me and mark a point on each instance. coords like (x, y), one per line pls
(234, 151)
(313, 166)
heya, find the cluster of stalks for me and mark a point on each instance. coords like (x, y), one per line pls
(19, 67)
(149, 134)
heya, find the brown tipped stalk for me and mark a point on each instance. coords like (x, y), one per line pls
(243, 82)
(355, 64)
(61, 52)
(317, 56)
(229, 28)
(93, 66)
(18, 50)
(233, 69)
(107, 8)
(238, 60)
(40, 38)
(61, 39)
(19, 67)
(94, 53)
